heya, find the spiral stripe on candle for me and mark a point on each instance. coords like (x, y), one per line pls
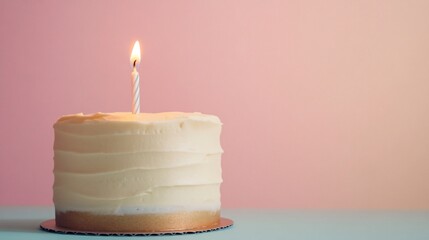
(136, 94)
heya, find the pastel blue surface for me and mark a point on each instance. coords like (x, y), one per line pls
(23, 223)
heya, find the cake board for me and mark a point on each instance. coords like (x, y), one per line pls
(50, 226)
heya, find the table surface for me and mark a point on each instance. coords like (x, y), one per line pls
(23, 223)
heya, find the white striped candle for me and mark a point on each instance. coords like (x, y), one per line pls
(135, 78)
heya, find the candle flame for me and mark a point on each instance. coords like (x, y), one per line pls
(135, 55)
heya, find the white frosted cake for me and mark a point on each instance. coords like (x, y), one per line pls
(137, 172)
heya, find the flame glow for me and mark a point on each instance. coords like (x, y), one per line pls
(135, 54)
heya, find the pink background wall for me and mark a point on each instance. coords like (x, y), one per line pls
(325, 104)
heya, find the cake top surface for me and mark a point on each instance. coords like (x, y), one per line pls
(140, 117)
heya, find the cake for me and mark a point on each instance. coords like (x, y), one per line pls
(146, 172)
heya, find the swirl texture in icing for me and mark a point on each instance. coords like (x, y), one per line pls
(123, 163)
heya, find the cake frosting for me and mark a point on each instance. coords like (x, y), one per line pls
(129, 164)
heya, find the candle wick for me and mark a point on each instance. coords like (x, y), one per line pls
(134, 64)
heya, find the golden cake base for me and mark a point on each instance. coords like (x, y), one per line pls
(51, 226)
(137, 223)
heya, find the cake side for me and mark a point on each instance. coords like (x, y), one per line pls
(137, 164)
